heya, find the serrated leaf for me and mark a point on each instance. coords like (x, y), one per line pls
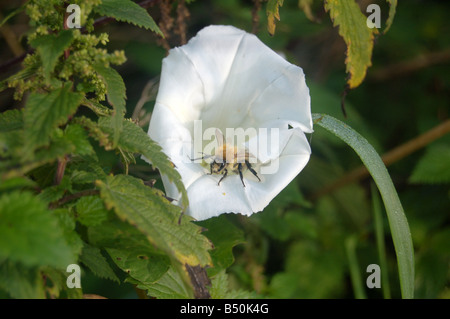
(157, 218)
(21, 282)
(141, 262)
(50, 47)
(44, 112)
(224, 235)
(169, 286)
(433, 167)
(220, 289)
(134, 139)
(392, 10)
(92, 258)
(116, 94)
(11, 120)
(357, 36)
(128, 11)
(91, 211)
(272, 11)
(76, 135)
(30, 233)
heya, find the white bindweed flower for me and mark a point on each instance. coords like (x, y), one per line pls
(225, 84)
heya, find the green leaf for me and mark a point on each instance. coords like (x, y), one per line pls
(157, 218)
(220, 289)
(357, 36)
(44, 112)
(50, 47)
(434, 166)
(75, 135)
(116, 94)
(272, 11)
(392, 10)
(30, 233)
(91, 211)
(11, 120)
(92, 258)
(134, 139)
(398, 223)
(17, 182)
(128, 11)
(169, 286)
(141, 262)
(224, 235)
(21, 282)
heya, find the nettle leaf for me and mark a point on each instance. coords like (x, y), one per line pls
(21, 282)
(128, 11)
(134, 139)
(116, 94)
(434, 166)
(220, 289)
(44, 112)
(30, 233)
(224, 235)
(11, 120)
(169, 286)
(141, 262)
(50, 47)
(157, 218)
(92, 258)
(272, 11)
(91, 211)
(76, 135)
(357, 36)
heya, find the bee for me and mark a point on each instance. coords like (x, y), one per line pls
(229, 159)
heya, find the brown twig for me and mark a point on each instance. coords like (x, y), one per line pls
(255, 15)
(406, 67)
(11, 39)
(388, 158)
(69, 198)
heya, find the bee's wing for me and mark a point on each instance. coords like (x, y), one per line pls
(220, 139)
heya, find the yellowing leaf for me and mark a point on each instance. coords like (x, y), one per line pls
(357, 36)
(157, 218)
(272, 11)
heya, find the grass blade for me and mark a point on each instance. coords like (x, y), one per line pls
(398, 223)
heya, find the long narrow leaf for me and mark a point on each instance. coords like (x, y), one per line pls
(398, 223)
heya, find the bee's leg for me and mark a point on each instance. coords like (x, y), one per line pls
(221, 167)
(224, 175)
(210, 168)
(240, 173)
(252, 170)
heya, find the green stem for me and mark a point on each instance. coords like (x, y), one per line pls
(355, 274)
(379, 234)
(398, 223)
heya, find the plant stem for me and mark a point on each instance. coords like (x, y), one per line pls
(388, 158)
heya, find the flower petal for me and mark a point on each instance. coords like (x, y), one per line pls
(292, 160)
(243, 82)
(207, 199)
